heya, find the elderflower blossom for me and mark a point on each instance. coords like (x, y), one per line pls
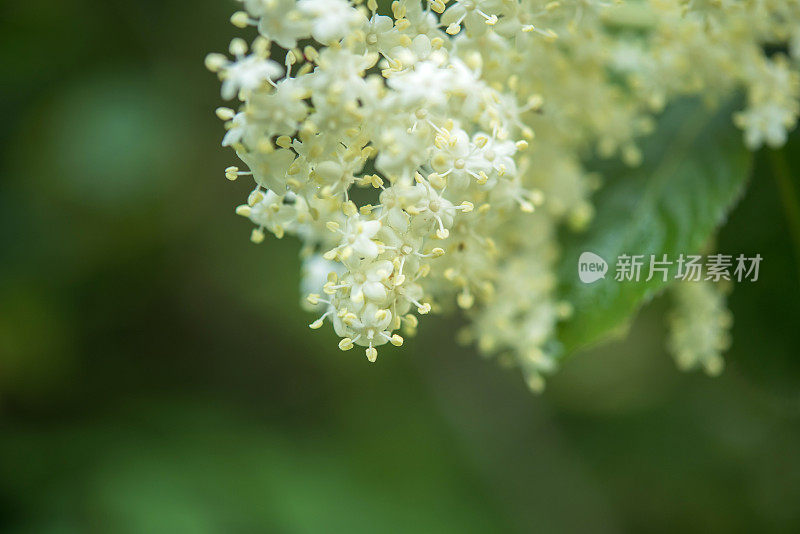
(699, 326)
(399, 147)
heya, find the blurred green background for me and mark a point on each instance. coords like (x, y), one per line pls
(157, 374)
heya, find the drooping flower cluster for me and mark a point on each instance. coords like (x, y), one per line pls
(400, 148)
(699, 326)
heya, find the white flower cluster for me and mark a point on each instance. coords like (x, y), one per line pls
(397, 147)
(386, 107)
(699, 326)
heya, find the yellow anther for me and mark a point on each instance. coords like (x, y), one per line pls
(261, 46)
(293, 169)
(346, 344)
(535, 102)
(465, 300)
(396, 340)
(372, 354)
(265, 146)
(437, 180)
(257, 235)
(411, 320)
(225, 114)
(311, 53)
(240, 19)
(244, 210)
(216, 62)
(398, 9)
(349, 208)
(255, 197)
(238, 47)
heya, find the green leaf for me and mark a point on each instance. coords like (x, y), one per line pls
(694, 170)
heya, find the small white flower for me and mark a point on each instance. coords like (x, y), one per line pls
(315, 271)
(369, 281)
(236, 131)
(331, 20)
(280, 21)
(380, 35)
(357, 238)
(766, 124)
(269, 170)
(248, 73)
(469, 13)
